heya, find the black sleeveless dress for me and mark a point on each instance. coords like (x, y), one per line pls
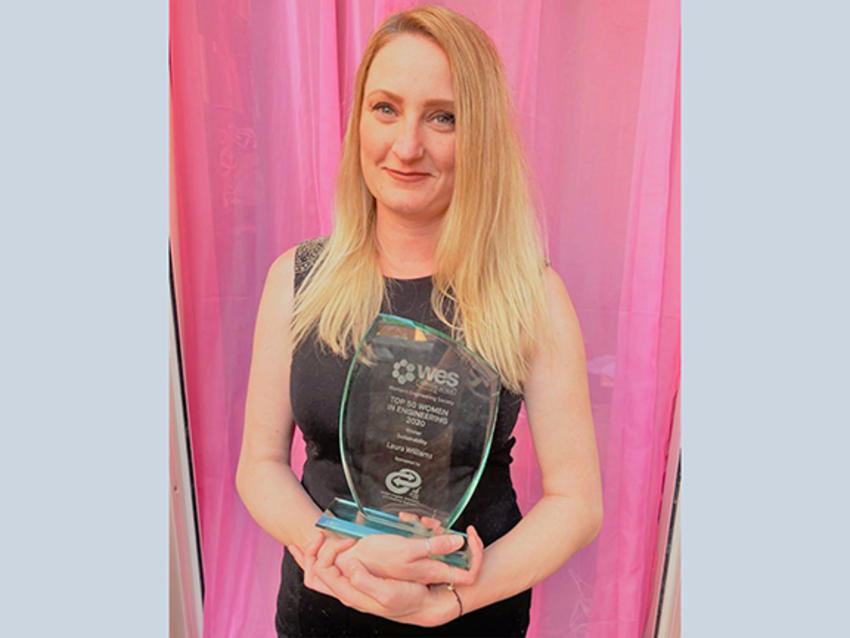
(316, 383)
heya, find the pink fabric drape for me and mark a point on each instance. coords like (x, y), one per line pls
(260, 95)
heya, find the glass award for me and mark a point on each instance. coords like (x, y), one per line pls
(415, 427)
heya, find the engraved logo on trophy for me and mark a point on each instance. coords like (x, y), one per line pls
(403, 371)
(402, 481)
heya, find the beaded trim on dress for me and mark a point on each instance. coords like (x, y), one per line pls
(307, 253)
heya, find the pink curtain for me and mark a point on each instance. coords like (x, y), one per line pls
(260, 94)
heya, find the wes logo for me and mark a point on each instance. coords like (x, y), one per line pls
(438, 375)
(405, 372)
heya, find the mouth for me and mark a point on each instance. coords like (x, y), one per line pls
(406, 176)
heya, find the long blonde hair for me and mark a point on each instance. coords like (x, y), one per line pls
(489, 258)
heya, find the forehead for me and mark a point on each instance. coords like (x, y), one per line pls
(412, 66)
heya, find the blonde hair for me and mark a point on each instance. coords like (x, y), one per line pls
(489, 258)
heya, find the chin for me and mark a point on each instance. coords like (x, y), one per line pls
(403, 206)
(414, 211)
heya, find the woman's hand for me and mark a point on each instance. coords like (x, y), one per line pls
(408, 559)
(398, 600)
(307, 559)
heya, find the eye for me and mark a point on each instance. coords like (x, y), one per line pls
(384, 108)
(444, 119)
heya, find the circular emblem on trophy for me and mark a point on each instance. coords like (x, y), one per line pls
(403, 371)
(402, 481)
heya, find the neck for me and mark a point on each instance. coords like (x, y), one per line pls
(406, 246)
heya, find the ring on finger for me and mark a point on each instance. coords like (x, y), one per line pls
(451, 577)
(428, 545)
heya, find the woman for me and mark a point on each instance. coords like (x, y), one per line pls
(433, 222)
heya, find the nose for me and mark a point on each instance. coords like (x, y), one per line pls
(407, 146)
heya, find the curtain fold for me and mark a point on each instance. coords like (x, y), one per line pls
(646, 362)
(260, 98)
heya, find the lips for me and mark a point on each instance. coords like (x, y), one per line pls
(406, 176)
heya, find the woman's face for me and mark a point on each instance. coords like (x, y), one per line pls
(407, 131)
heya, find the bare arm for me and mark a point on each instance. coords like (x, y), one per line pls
(264, 479)
(569, 514)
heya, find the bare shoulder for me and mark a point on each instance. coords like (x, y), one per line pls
(284, 264)
(555, 287)
(276, 300)
(561, 310)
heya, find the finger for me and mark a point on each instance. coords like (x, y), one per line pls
(297, 554)
(311, 579)
(350, 596)
(323, 566)
(473, 533)
(309, 562)
(407, 517)
(330, 550)
(376, 588)
(476, 555)
(346, 562)
(441, 572)
(433, 524)
(430, 572)
(317, 584)
(439, 545)
(315, 543)
(323, 573)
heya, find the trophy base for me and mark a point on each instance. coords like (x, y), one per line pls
(344, 517)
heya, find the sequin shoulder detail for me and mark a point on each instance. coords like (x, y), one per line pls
(307, 253)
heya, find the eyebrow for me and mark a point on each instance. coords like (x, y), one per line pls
(428, 103)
